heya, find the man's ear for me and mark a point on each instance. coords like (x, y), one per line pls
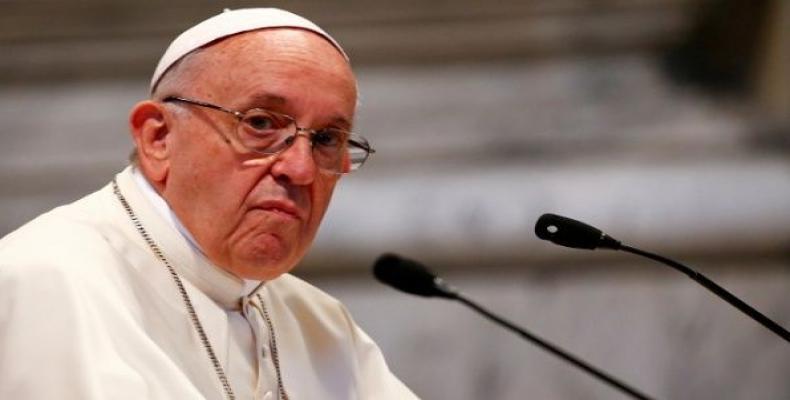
(150, 127)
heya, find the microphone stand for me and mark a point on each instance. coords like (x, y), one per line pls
(414, 278)
(569, 232)
(716, 289)
(550, 348)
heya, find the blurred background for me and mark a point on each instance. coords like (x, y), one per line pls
(664, 122)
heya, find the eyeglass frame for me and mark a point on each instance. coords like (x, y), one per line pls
(309, 133)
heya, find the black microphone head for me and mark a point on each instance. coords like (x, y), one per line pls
(409, 276)
(571, 233)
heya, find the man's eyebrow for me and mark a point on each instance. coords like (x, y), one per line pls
(342, 123)
(267, 99)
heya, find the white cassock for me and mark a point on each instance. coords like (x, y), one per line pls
(88, 312)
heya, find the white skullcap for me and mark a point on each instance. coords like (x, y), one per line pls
(232, 22)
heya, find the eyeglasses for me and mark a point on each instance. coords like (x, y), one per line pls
(266, 132)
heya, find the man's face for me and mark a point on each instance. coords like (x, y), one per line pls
(254, 215)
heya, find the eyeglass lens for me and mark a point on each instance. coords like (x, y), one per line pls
(266, 132)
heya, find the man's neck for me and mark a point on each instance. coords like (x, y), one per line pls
(161, 206)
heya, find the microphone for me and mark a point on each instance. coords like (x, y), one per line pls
(568, 232)
(571, 233)
(412, 277)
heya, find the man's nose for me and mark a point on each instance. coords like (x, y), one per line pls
(296, 163)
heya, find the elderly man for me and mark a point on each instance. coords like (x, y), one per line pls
(172, 281)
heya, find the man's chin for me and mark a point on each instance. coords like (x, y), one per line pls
(259, 270)
(263, 257)
(265, 264)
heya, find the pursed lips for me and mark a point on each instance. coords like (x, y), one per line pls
(283, 207)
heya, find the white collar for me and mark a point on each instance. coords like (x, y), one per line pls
(163, 208)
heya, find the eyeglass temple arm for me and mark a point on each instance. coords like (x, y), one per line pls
(236, 114)
(362, 145)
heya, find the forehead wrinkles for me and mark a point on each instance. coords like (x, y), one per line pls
(292, 53)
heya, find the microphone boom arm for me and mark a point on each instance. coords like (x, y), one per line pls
(716, 289)
(552, 348)
(569, 232)
(414, 278)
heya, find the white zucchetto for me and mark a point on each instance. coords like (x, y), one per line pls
(232, 22)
